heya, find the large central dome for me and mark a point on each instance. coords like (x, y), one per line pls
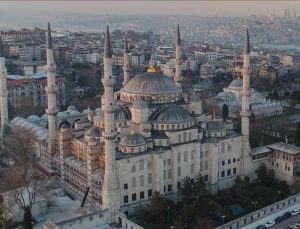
(153, 87)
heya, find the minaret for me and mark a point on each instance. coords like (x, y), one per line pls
(110, 189)
(1, 47)
(126, 62)
(178, 77)
(3, 95)
(245, 113)
(51, 93)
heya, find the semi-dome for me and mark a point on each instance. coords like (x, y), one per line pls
(119, 112)
(139, 104)
(237, 83)
(85, 111)
(97, 110)
(132, 140)
(16, 119)
(172, 114)
(93, 132)
(257, 95)
(44, 117)
(74, 112)
(62, 114)
(33, 118)
(151, 83)
(214, 125)
(195, 98)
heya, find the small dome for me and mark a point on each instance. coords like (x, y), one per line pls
(85, 111)
(62, 114)
(15, 120)
(97, 110)
(132, 140)
(71, 108)
(64, 127)
(214, 125)
(74, 112)
(44, 117)
(93, 132)
(33, 118)
(119, 112)
(237, 83)
(139, 104)
(257, 95)
(172, 114)
(20, 122)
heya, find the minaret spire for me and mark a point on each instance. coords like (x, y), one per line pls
(245, 113)
(126, 61)
(178, 78)
(110, 189)
(51, 94)
(3, 96)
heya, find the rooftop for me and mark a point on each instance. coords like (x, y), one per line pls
(286, 148)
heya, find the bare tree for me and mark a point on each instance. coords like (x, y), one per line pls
(21, 179)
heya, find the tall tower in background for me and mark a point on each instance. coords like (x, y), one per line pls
(178, 78)
(110, 189)
(3, 95)
(51, 93)
(126, 61)
(245, 113)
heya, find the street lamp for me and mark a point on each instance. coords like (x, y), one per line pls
(168, 213)
(223, 217)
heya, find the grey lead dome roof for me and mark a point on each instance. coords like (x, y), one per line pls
(172, 114)
(236, 83)
(132, 140)
(214, 125)
(151, 83)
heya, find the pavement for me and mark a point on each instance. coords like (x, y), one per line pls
(275, 215)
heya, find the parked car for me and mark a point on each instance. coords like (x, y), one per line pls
(278, 219)
(270, 223)
(295, 212)
(294, 226)
(286, 215)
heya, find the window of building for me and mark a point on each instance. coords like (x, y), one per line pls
(206, 154)
(185, 156)
(223, 148)
(228, 172)
(125, 186)
(164, 174)
(141, 165)
(201, 166)
(125, 199)
(169, 161)
(133, 182)
(149, 178)
(133, 169)
(142, 180)
(205, 178)
(133, 197)
(206, 165)
(169, 188)
(142, 195)
(164, 189)
(149, 192)
(201, 155)
(223, 162)
(233, 160)
(178, 157)
(223, 174)
(169, 174)
(229, 161)
(179, 171)
(234, 170)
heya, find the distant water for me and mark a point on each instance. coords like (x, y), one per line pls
(278, 46)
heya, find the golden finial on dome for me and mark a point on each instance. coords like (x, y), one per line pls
(214, 115)
(151, 69)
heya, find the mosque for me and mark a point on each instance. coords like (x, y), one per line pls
(146, 137)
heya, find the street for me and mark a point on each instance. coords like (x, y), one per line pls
(284, 224)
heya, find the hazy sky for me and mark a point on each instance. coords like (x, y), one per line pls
(197, 8)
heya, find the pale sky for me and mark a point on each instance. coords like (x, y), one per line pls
(195, 8)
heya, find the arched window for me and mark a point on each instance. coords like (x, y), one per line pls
(141, 165)
(142, 180)
(133, 169)
(133, 182)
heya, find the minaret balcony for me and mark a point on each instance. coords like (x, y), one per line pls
(109, 135)
(51, 90)
(51, 112)
(245, 71)
(246, 113)
(50, 68)
(111, 81)
(245, 93)
(3, 93)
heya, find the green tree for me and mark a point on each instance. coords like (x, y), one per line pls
(27, 218)
(200, 188)
(187, 191)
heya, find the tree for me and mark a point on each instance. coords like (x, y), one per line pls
(21, 179)
(225, 111)
(200, 188)
(187, 190)
(275, 94)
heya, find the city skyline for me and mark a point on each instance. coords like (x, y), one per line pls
(186, 8)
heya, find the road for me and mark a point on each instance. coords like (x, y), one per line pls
(273, 216)
(284, 224)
